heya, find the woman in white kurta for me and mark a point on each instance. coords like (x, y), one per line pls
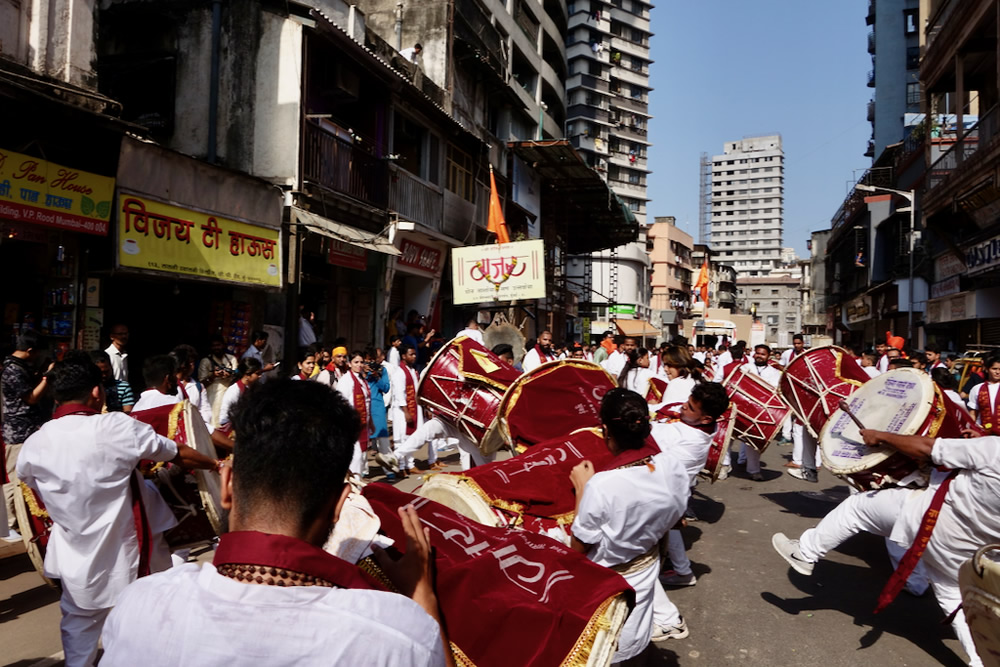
(676, 365)
(354, 388)
(636, 373)
(622, 515)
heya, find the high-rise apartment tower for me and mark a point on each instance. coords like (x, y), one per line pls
(748, 199)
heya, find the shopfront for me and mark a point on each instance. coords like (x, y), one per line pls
(415, 280)
(197, 250)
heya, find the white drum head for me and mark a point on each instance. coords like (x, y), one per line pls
(457, 493)
(898, 402)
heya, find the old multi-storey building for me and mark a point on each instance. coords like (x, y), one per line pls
(774, 302)
(894, 44)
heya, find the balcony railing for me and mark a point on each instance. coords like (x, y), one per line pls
(340, 166)
(976, 137)
(415, 200)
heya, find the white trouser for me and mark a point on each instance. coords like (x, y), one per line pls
(665, 612)
(876, 512)
(808, 447)
(359, 460)
(428, 431)
(751, 456)
(384, 447)
(919, 580)
(80, 630)
(796, 441)
(677, 553)
(10, 453)
(469, 455)
(786, 429)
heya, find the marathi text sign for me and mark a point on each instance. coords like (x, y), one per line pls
(44, 193)
(496, 272)
(161, 237)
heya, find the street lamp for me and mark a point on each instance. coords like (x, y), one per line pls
(910, 196)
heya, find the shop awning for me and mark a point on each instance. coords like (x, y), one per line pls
(335, 230)
(636, 328)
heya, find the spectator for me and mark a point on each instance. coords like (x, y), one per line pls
(116, 352)
(257, 350)
(118, 395)
(216, 372)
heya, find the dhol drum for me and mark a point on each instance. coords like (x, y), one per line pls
(35, 525)
(979, 581)
(510, 597)
(464, 384)
(532, 490)
(759, 411)
(718, 452)
(903, 401)
(194, 497)
(815, 381)
(552, 400)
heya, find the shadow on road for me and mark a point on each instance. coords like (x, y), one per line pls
(812, 502)
(708, 510)
(22, 603)
(854, 590)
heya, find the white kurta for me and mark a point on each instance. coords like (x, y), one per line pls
(474, 334)
(153, 398)
(229, 399)
(533, 360)
(218, 621)
(399, 402)
(767, 373)
(614, 363)
(195, 394)
(637, 380)
(81, 466)
(687, 444)
(678, 390)
(623, 514)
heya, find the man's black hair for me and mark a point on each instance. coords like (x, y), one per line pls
(800, 337)
(294, 447)
(503, 348)
(260, 334)
(29, 340)
(760, 346)
(933, 348)
(394, 338)
(943, 378)
(711, 397)
(99, 357)
(406, 347)
(157, 367)
(73, 378)
(184, 354)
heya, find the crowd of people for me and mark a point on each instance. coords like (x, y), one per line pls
(299, 435)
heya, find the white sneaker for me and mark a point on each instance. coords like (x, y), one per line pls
(789, 550)
(663, 633)
(724, 473)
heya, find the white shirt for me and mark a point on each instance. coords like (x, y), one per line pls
(195, 393)
(474, 334)
(533, 360)
(871, 371)
(228, 401)
(724, 360)
(637, 380)
(970, 516)
(393, 356)
(973, 403)
(614, 363)
(215, 621)
(622, 515)
(154, 398)
(678, 390)
(788, 355)
(81, 466)
(700, 356)
(306, 334)
(767, 373)
(119, 362)
(883, 364)
(399, 401)
(687, 444)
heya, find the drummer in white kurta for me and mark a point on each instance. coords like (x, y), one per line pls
(616, 360)
(688, 439)
(407, 415)
(82, 465)
(760, 367)
(621, 516)
(540, 353)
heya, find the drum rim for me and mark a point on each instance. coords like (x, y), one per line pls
(24, 523)
(884, 453)
(483, 507)
(216, 515)
(840, 354)
(430, 364)
(513, 392)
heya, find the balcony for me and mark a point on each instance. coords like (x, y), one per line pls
(871, 78)
(587, 111)
(589, 82)
(474, 27)
(632, 105)
(871, 111)
(340, 166)
(979, 136)
(586, 142)
(630, 132)
(629, 47)
(870, 19)
(414, 199)
(871, 42)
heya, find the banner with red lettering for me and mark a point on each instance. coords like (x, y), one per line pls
(510, 597)
(496, 272)
(48, 194)
(157, 236)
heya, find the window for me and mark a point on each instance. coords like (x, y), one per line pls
(912, 57)
(910, 17)
(774, 292)
(913, 93)
(460, 178)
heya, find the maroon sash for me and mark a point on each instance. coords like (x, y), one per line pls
(250, 547)
(411, 401)
(360, 395)
(988, 413)
(543, 357)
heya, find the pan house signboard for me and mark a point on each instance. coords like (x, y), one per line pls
(498, 272)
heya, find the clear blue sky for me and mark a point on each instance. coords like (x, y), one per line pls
(725, 69)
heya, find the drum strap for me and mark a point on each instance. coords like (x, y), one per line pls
(411, 400)
(142, 530)
(909, 561)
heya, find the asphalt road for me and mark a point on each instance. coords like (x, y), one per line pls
(748, 607)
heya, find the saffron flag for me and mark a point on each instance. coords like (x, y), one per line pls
(702, 281)
(496, 224)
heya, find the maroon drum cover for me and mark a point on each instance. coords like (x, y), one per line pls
(510, 597)
(463, 384)
(759, 410)
(552, 400)
(532, 490)
(657, 386)
(815, 381)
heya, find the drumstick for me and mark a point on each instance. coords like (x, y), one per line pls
(847, 410)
